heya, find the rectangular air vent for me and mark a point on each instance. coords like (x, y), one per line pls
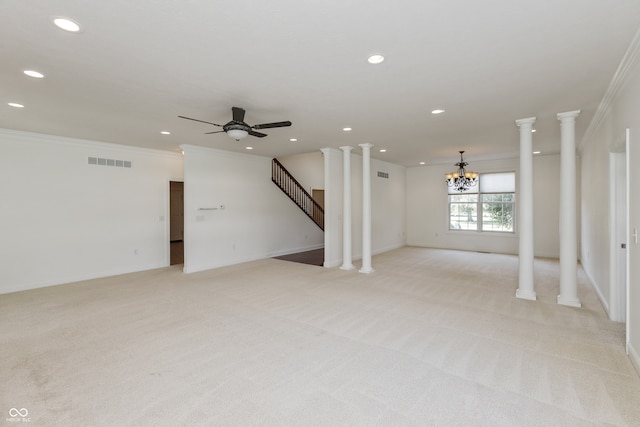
(383, 175)
(109, 162)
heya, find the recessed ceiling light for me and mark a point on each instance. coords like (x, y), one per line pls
(34, 74)
(438, 111)
(293, 139)
(375, 59)
(165, 132)
(536, 152)
(383, 150)
(249, 148)
(66, 24)
(422, 163)
(533, 130)
(15, 104)
(346, 129)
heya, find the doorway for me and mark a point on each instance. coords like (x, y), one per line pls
(176, 222)
(318, 196)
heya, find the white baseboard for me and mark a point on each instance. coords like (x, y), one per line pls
(634, 357)
(296, 250)
(190, 268)
(603, 300)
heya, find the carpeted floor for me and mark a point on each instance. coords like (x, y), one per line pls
(432, 338)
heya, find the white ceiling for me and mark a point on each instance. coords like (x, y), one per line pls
(139, 64)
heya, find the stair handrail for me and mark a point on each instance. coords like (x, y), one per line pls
(296, 192)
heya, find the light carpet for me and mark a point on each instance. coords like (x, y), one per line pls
(432, 338)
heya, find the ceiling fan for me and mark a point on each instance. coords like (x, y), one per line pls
(238, 129)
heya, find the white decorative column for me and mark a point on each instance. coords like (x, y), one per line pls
(332, 207)
(568, 235)
(366, 208)
(346, 209)
(525, 213)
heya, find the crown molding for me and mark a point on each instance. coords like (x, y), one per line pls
(218, 153)
(42, 138)
(629, 60)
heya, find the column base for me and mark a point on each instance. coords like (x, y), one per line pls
(529, 295)
(367, 270)
(347, 267)
(570, 302)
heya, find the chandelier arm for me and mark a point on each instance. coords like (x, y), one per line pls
(461, 182)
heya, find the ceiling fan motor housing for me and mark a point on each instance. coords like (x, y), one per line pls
(236, 125)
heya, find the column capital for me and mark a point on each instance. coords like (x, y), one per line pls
(568, 115)
(524, 122)
(346, 148)
(366, 146)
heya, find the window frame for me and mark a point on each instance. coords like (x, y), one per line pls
(479, 211)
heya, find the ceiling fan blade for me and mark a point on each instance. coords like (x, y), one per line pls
(218, 131)
(202, 121)
(238, 114)
(272, 125)
(258, 134)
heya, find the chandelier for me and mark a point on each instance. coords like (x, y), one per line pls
(461, 180)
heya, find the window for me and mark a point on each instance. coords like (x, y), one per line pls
(489, 206)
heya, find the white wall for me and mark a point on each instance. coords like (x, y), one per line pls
(427, 209)
(388, 206)
(619, 110)
(333, 173)
(307, 169)
(65, 220)
(258, 220)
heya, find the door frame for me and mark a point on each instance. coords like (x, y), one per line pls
(618, 231)
(168, 235)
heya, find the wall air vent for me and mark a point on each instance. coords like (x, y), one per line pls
(383, 175)
(109, 162)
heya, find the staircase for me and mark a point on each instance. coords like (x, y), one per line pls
(296, 192)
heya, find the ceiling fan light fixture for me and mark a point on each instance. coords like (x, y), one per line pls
(237, 134)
